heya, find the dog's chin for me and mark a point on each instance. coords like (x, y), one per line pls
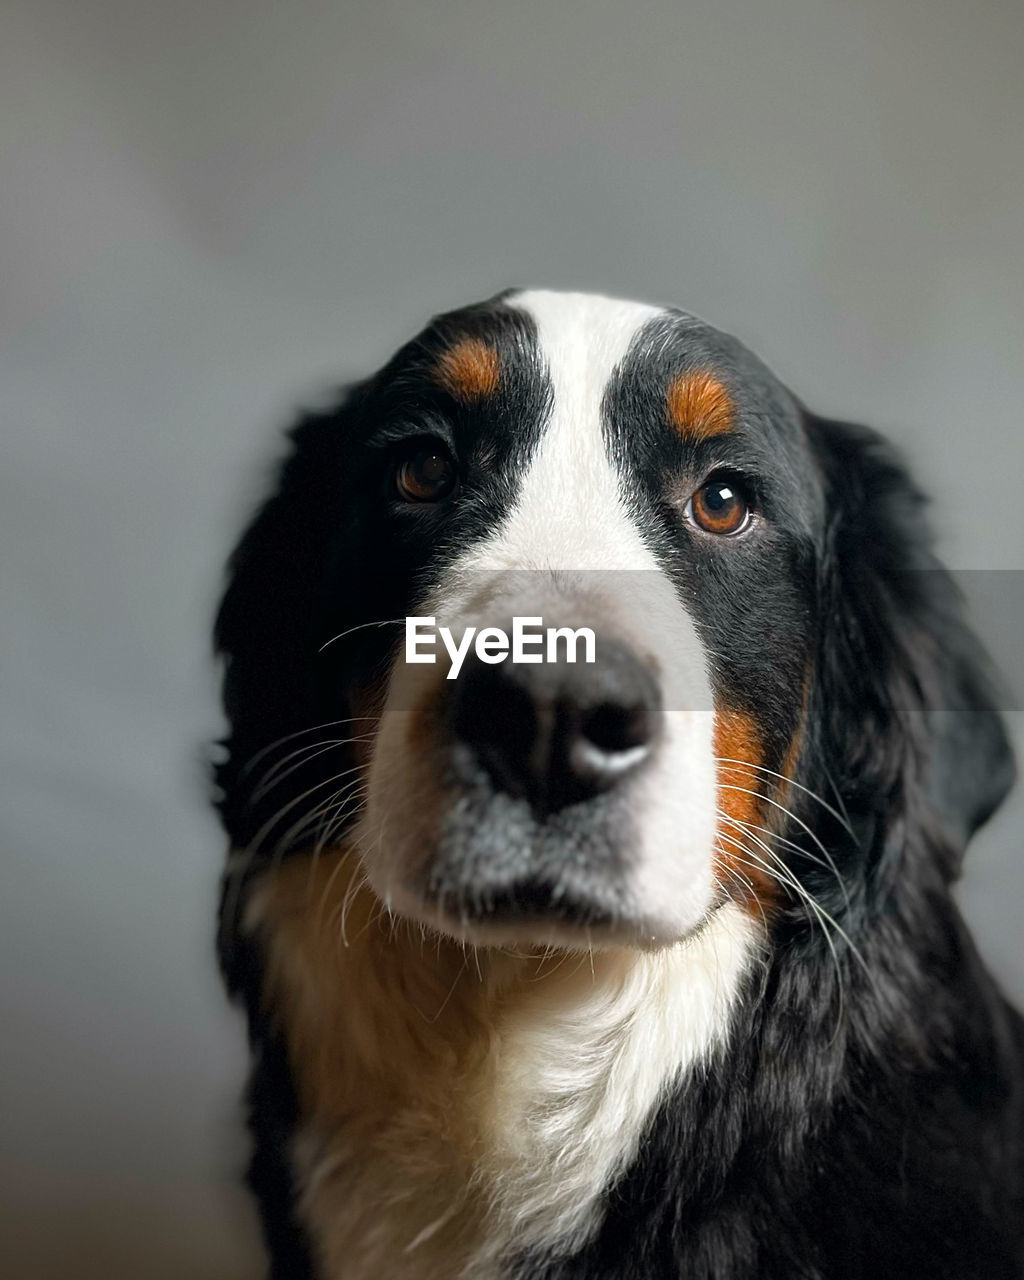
(513, 924)
(481, 867)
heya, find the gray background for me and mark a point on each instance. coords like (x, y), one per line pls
(213, 210)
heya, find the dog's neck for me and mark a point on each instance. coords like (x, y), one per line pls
(456, 1102)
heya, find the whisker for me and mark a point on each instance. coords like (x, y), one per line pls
(384, 622)
(740, 879)
(451, 991)
(807, 896)
(790, 814)
(325, 895)
(830, 865)
(355, 884)
(783, 876)
(342, 808)
(253, 760)
(840, 801)
(316, 817)
(269, 781)
(269, 825)
(760, 768)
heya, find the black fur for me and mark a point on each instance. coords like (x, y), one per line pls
(868, 1117)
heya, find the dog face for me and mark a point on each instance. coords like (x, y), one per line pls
(591, 463)
(599, 464)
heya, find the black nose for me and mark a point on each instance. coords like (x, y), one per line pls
(560, 732)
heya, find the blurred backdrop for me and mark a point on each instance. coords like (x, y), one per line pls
(213, 211)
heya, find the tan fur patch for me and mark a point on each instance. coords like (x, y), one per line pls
(699, 406)
(738, 753)
(383, 1044)
(469, 370)
(438, 1086)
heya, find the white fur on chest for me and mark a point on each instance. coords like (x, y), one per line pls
(580, 1071)
(469, 1166)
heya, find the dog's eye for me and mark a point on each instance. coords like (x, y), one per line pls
(720, 506)
(427, 473)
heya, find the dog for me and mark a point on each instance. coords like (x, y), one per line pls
(640, 967)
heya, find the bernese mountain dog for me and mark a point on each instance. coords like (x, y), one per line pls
(641, 967)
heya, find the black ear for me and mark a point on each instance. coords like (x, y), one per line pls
(271, 620)
(908, 705)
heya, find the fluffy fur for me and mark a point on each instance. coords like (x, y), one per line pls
(722, 1020)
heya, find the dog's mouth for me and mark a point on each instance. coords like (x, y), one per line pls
(500, 867)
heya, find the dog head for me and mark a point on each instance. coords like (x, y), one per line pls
(777, 657)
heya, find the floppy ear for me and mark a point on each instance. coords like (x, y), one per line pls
(908, 704)
(271, 620)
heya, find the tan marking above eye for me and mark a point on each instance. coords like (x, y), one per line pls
(698, 405)
(469, 370)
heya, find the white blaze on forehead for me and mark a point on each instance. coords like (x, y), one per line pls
(569, 512)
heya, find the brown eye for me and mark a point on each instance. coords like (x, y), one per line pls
(427, 474)
(720, 506)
